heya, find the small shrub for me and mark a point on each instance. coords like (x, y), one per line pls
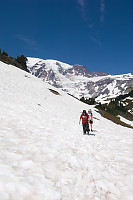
(90, 101)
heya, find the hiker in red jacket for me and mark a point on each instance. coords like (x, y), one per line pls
(85, 121)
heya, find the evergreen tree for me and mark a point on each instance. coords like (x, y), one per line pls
(5, 53)
(22, 60)
(82, 99)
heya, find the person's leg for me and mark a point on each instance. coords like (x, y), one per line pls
(84, 128)
(87, 127)
(91, 124)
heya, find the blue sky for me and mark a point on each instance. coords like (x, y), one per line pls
(95, 33)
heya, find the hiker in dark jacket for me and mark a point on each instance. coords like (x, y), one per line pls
(85, 121)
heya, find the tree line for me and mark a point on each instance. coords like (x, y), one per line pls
(90, 101)
(19, 62)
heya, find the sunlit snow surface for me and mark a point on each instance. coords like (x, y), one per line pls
(45, 156)
(51, 64)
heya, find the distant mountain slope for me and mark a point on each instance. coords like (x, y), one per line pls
(121, 105)
(78, 81)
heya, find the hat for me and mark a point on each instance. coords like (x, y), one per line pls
(84, 111)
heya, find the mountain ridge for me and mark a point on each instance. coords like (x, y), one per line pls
(78, 81)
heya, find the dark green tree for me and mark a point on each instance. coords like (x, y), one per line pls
(5, 53)
(82, 99)
(22, 60)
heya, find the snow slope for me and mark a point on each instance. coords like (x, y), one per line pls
(44, 155)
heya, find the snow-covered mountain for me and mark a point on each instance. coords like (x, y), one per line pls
(45, 156)
(78, 81)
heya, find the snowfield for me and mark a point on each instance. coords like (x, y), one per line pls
(45, 156)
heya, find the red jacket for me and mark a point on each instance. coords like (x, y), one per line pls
(84, 118)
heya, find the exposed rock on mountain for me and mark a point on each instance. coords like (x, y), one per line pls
(78, 81)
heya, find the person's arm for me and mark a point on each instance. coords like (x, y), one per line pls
(80, 118)
(92, 117)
